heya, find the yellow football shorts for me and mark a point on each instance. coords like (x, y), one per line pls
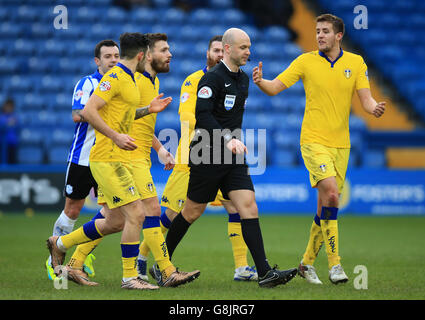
(116, 184)
(143, 177)
(323, 162)
(175, 191)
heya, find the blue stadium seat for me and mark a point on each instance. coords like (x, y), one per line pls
(284, 158)
(287, 139)
(57, 155)
(276, 34)
(30, 155)
(143, 15)
(31, 136)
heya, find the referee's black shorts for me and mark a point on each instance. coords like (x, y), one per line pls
(78, 182)
(206, 180)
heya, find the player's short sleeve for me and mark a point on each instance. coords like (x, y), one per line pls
(188, 95)
(362, 80)
(82, 92)
(293, 73)
(107, 88)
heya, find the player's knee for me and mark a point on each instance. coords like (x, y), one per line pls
(73, 211)
(332, 199)
(248, 210)
(192, 214)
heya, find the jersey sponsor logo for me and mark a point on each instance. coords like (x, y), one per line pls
(229, 101)
(78, 95)
(347, 73)
(205, 92)
(113, 75)
(105, 86)
(185, 96)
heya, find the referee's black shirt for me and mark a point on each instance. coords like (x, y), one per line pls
(220, 105)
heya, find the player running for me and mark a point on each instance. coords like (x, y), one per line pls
(330, 76)
(174, 195)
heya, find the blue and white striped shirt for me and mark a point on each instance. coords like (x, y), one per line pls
(84, 133)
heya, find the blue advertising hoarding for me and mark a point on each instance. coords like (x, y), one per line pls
(366, 191)
(286, 191)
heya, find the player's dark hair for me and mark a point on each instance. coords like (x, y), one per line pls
(215, 38)
(104, 43)
(337, 22)
(155, 37)
(131, 43)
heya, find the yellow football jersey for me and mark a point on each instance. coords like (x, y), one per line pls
(144, 128)
(188, 96)
(329, 88)
(119, 90)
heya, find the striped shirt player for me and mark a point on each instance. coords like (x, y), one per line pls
(79, 180)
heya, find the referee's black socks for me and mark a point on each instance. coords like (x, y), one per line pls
(178, 229)
(251, 233)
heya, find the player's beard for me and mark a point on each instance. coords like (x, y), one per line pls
(160, 67)
(212, 62)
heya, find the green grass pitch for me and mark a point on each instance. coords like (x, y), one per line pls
(391, 248)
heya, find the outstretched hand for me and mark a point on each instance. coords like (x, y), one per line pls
(158, 104)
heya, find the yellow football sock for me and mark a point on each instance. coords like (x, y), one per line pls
(75, 237)
(234, 231)
(129, 256)
(86, 233)
(329, 226)
(314, 244)
(144, 248)
(81, 253)
(156, 242)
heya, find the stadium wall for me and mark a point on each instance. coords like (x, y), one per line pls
(281, 191)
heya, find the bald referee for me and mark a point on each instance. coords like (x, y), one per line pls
(220, 163)
(330, 77)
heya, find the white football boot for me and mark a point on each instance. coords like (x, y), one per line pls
(337, 274)
(308, 272)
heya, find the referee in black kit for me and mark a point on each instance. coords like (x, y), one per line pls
(217, 158)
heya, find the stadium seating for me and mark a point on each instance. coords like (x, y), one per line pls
(46, 64)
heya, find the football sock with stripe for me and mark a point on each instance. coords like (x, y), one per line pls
(251, 232)
(239, 248)
(144, 248)
(86, 233)
(329, 226)
(178, 229)
(84, 249)
(155, 241)
(314, 243)
(129, 255)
